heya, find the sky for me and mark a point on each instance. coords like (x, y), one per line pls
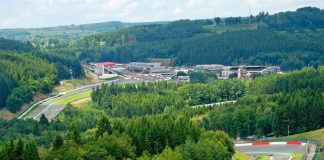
(45, 13)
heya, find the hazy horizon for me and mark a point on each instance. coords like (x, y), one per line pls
(51, 13)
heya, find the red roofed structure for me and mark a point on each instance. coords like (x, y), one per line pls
(107, 63)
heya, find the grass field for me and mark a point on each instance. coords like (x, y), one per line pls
(61, 116)
(297, 156)
(320, 156)
(241, 156)
(73, 98)
(263, 158)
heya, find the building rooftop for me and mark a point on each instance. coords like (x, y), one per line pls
(107, 63)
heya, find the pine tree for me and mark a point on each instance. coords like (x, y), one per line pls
(19, 150)
(43, 120)
(31, 151)
(76, 135)
(103, 127)
(7, 151)
(58, 142)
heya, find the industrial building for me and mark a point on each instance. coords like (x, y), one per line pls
(248, 71)
(146, 67)
(223, 72)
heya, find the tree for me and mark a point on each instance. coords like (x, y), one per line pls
(75, 133)
(103, 127)
(58, 142)
(77, 69)
(232, 75)
(181, 73)
(14, 103)
(7, 151)
(43, 120)
(217, 20)
(167, 154)
(31, 151)
(19, 150)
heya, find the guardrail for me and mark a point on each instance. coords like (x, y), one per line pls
(36, 104)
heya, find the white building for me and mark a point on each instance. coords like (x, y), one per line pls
(104, 70)
(146, 67)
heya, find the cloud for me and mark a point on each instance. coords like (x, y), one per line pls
(40, 13)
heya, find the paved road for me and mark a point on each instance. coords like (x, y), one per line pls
(50, 110)
(278, 152)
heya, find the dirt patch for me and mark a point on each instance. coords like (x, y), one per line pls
(81, 101)
(6, 115)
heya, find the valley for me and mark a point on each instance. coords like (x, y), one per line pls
(223, 88)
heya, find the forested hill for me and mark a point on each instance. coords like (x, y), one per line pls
(12, 45)
(289, 39)
(65, 32)
(25, 70)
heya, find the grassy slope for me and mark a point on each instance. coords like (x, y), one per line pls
(73, 98)
(317, 135)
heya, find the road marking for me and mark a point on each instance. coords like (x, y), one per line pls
(290, 158)
(242, 145)
(273, 153)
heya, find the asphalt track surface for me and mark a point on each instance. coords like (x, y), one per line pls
(51, 110)
(278, 152)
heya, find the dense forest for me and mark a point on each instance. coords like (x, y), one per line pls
(291, 40)
(120, 123)
(136, 100)
(25, 70)
(278, 104)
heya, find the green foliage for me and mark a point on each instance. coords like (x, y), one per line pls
(156, 98)
(19, 95)
(31, 151)
(201, 77)
(103, 127)
(291, 40)
(43, 120)
(64, 33)
(307, 78)
(154, 133)
(19, 150)
(277, 104)
(12, 45)
(58, 142)
(7, 83)
(211, 145)
(14, 103)
(118, 146)
(216, 91)
(23, 73)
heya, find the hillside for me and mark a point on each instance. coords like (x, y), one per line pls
(65, 32)
(25, 70)
(291, 40)
(317, 135)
